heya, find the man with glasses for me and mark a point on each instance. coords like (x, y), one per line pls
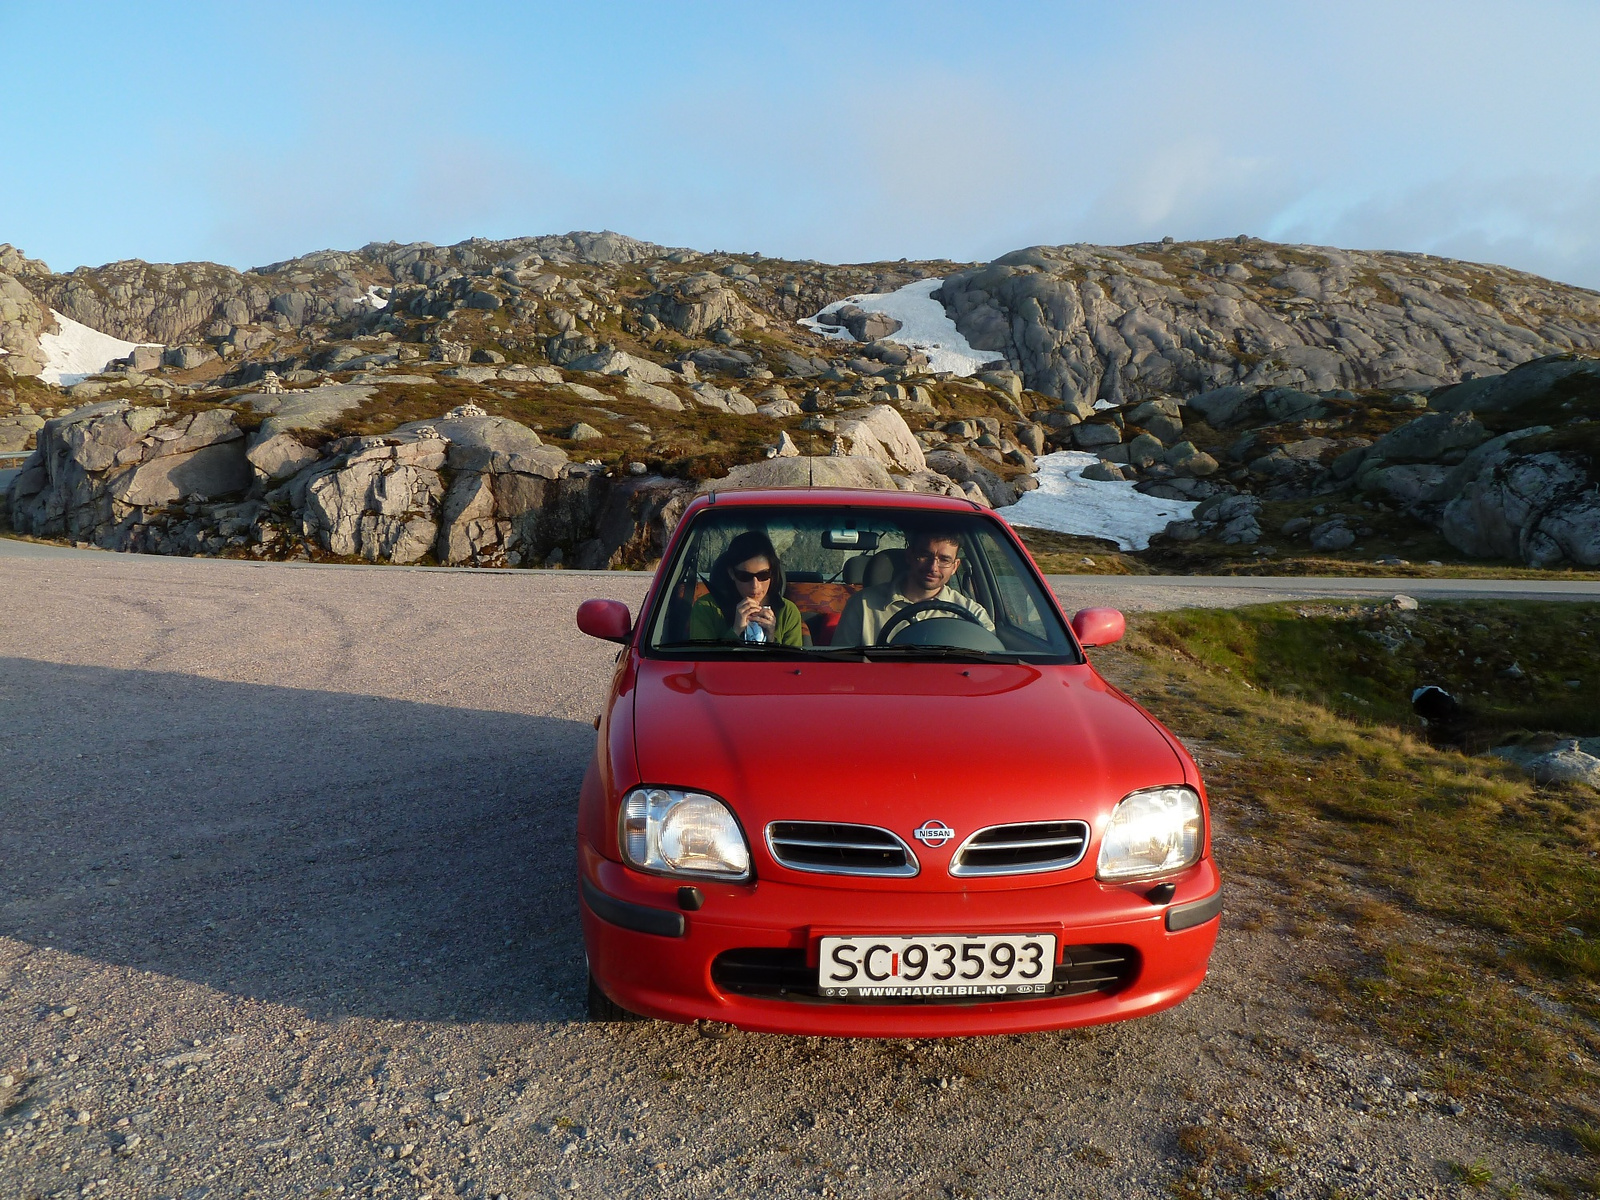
(931, 562)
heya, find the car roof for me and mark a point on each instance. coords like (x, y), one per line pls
(806, 497)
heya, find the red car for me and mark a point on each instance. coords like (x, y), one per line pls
(857, 777)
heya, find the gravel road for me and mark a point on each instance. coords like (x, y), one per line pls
(286, 909)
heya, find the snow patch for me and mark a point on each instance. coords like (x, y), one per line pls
(924, 325)
(1067, 503)
(77, 352)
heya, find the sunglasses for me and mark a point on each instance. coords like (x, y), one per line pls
(751, 576)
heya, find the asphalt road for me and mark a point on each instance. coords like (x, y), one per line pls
(286, 908)
(1133, 593)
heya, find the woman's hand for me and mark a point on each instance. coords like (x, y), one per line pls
(767, 619)
(749, 610)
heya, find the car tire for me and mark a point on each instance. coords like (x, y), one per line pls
(606, 1010)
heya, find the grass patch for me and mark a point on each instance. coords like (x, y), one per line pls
(1476, 1174)
(1517, 666)
(1068, 554)
(1462, 891)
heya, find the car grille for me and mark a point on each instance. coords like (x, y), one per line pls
(759, 971)
(782, 974)
(830, 848)
(1085, 969)
(1021, 849)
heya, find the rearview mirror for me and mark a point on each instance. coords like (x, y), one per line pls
(1098, 626)
(850, 539)
(608, 620)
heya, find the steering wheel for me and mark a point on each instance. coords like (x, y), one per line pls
(911, 612)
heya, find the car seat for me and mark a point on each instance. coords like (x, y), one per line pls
(680, 603)
(882, 566)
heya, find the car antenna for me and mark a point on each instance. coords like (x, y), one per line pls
(713, 497)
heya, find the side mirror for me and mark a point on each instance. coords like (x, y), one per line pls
(608, 620)
(1096, 626)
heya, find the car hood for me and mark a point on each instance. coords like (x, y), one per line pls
(897, 744)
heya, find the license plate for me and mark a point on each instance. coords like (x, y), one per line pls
(938, 965)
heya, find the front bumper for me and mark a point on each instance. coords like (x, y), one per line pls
(654, 959)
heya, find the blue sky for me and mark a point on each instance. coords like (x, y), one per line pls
(841, 132)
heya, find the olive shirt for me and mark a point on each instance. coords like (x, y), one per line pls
(707, 624)
(869, 611)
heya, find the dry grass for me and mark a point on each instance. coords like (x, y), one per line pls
(1067, 554)
(1455, 882)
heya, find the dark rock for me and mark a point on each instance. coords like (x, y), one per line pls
(280, 456)
(1480, 461)
(1008, 382)
(1184, 531)
(865, 326)
(723, 361)
(1095, 434)
(1184, 459)
(1346, 465)
(1286, 404)
(800, 366)
(1332, 535)
(1531, 381)
(1104, 472)
(962, 469)
(1429, 438)
(187, 358)
(1031, 438)
(1224, 406)
(1145, 449)
(1569, 764)
(1541, 509)
(1407, 485)
(699, 304)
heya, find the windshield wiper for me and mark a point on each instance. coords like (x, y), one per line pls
(773, 649)
(849, 653)
(953, 652)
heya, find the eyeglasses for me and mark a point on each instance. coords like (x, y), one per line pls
(922, 556)
(751, 576)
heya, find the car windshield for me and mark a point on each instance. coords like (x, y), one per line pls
(853, 584)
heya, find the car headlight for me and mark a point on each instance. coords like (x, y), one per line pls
(675, 832)
(1152, 833)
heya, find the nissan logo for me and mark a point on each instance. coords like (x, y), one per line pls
(933, 833)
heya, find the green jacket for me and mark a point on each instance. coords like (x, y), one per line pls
(707, 624)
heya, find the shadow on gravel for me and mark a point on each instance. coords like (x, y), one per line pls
(343, 854)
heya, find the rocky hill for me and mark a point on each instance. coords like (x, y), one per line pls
(554, 399)
(1125, 324)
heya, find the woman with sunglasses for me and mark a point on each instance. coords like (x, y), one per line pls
(746, 603)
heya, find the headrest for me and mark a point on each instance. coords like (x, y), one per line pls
(884, 566)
